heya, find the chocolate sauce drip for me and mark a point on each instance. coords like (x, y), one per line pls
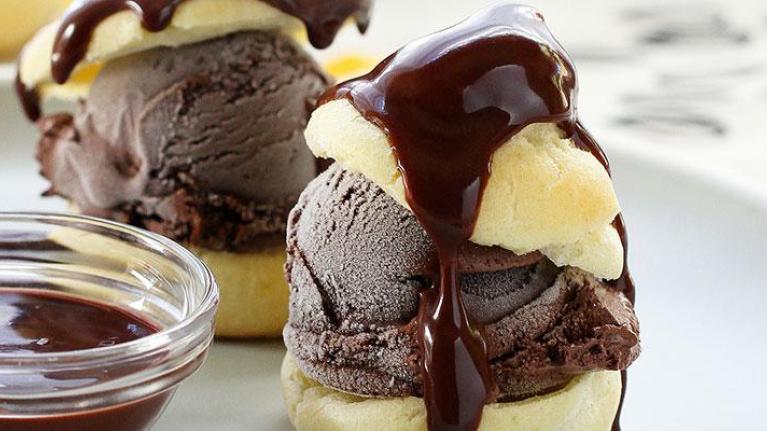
(322, 19)
(447, 102)
(80, 21)
(29, 99)
(624, 284)
(617, 421)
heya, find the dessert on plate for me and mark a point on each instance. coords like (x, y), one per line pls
(190, 123)
(462, 264)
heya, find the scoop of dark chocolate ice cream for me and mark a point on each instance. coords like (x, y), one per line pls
(203, 143)
(357, 262)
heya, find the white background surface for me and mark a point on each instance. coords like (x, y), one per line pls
(695, 203)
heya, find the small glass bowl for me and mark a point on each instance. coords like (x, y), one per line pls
(123, 387)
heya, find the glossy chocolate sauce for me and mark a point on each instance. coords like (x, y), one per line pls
(447, 102)
(135, 416)
(323, 20)
(40, 322)
(625, 284)
(29, 99)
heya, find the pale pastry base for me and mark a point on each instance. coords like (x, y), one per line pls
(588, 403)
(254, 293)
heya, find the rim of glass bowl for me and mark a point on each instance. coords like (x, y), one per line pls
(196, 323)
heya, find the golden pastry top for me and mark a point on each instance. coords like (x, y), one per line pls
(122, 34)
(543, 194)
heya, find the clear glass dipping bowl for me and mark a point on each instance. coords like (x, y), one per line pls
(124, 387)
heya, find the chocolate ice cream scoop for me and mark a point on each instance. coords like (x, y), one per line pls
(357, 263)
(163, 141)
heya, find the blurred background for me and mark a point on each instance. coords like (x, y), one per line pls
(21, 18)
(676, 92)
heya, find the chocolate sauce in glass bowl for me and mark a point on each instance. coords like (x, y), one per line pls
(40, 322)
(99, 323)
(135, 416)
(447, 102)
(323, 19)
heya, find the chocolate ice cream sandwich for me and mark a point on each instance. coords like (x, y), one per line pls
(190, 123)
(462, 265)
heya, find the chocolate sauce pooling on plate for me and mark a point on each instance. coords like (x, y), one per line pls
(323, 19)
(447, 102)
